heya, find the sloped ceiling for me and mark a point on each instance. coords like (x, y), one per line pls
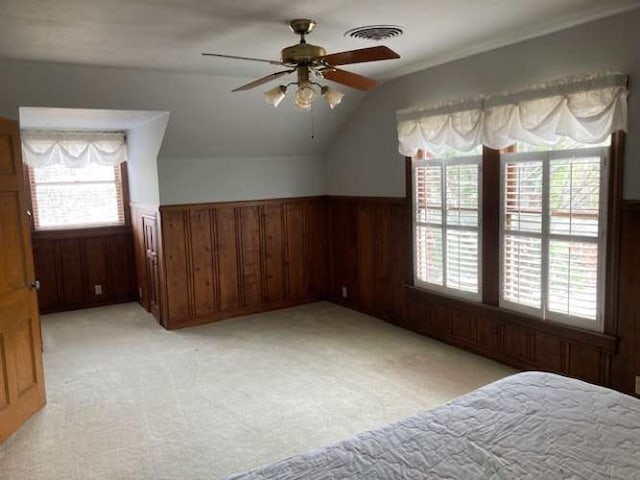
(145, 55)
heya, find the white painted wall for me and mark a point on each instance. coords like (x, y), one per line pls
(364, 159)
(239, 178)
(143, 144)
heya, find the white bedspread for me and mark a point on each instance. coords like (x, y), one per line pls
(527, 426)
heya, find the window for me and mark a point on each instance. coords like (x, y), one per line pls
(87, 196)
(552, 234)
(551, 237)
(447, 224)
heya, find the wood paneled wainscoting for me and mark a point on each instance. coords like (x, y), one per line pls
(226, 259)
(70, 264)
(370, 248)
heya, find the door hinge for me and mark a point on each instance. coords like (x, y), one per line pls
(35, 285)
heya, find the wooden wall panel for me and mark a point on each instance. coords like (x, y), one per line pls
(368, 240)
(70, 263)
(550, 352)
(317, 259)
(44, 259)
(343, 235)
(384, 259)
(96, 249)
(251, 255)
(295, 251)
(256, 255)
(228, 261)
(626, 365)
(274, 253)
(178, 265)
(202, 245)
(69, 255)
(367, 264)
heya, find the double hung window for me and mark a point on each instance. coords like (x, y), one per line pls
(552, 234)
(447, 224)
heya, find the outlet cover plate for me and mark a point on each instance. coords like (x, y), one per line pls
(638, 385)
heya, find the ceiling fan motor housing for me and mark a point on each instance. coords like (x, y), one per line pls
(302, 53)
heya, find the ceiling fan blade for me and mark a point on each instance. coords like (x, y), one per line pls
(262, 80)
(235, 57)
(349, 79)
(361, 55)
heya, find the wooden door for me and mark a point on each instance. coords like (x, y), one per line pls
(151, 263)
(21, 376)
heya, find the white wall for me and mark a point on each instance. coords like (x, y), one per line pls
(143, 143)
(239, 178)
(364, 159)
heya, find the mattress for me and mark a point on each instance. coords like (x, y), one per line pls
(528, 426)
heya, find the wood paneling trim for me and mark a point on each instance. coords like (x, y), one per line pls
(408, 206)
(490, 226)
(259, 254)
(616, 169)
(366, 200)
(81, 232)
(239, 203)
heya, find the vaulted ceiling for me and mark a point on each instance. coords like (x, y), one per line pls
(169, 35)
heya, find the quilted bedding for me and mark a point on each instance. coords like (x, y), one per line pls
(528, 426)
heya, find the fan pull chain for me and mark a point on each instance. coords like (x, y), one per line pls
(313, 135)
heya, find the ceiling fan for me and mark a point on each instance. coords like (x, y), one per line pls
(306, 60)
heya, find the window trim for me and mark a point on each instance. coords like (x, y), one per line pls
(124, 198)
(491, 163)
(442, 289)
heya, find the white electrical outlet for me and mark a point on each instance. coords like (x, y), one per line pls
(344, 292)
(638, 385)
(97, 289)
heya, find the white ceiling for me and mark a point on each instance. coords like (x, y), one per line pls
(171, 34)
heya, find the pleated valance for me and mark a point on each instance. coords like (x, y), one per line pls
(586, 109)
(73, 149)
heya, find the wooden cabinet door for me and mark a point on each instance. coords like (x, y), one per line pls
(21, 376)
(149, 230)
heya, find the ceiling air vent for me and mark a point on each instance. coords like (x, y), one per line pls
(375, 32)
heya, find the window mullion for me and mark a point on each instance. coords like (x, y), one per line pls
(414, 216)
(443, 204)
(546, 201)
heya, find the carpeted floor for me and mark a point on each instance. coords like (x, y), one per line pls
(129, 400)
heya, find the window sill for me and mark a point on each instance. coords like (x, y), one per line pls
(603, 341)
(81, 232)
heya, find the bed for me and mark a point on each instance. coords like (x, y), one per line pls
(527, 426)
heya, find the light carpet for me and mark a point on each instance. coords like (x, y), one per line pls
(130, 400)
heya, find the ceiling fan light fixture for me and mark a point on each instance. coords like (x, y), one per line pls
(275, 95)
(305, 96)
(333, 97)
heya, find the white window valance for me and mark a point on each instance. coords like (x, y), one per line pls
(586, 109)
(73, 149)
